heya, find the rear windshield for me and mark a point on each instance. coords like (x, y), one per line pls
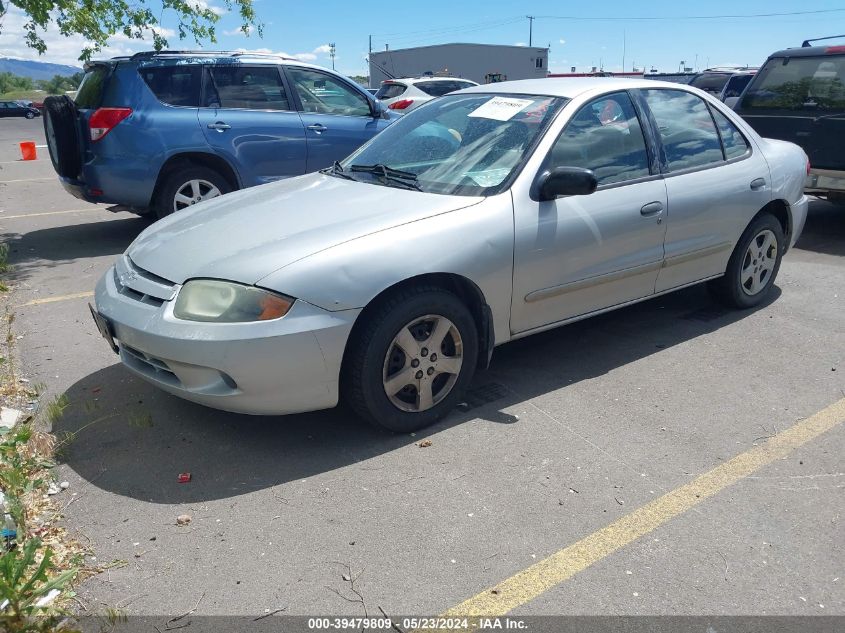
(437, 88)
(90, 93)
(390, 91)
(174, 85)
(710, 82)
(798, 83)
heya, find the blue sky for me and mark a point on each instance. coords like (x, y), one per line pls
(305, 29)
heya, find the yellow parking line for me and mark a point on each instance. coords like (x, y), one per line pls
(35, 215)
(562, 565)
(75, 295)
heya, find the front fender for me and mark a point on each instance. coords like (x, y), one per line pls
(475, 242)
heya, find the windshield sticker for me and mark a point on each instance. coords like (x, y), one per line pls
(501, 108)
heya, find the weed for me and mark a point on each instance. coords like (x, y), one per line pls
(140, 419)
(4, 258)
(55, 408)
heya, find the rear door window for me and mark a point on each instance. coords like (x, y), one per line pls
(390, 91)
(732, 139)
(174, 85)
(808, 84)
(686, 129)
(247, 88)
(90, 92)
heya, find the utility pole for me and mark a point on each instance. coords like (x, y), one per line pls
(623, 50)
(530, 29)
(332, 49)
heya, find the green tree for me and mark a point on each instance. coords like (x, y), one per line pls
(10, 82)
(97, 20)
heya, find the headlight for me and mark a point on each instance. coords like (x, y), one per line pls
(227, 302)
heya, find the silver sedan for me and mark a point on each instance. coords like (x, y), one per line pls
(484, 216)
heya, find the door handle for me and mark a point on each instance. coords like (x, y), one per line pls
(652, 208)
(219, 126)
(319, 128)
(758, 183)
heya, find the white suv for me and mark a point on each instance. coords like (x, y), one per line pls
(403, 95)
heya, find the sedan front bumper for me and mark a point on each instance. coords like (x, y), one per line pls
(286, 365)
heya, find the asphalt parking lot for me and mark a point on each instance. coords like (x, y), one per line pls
(569, 432)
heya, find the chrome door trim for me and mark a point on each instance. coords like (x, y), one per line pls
(587, 315)
(673, 260)
(554, 291)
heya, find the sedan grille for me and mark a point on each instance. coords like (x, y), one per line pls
(149, 365)
(141, 285)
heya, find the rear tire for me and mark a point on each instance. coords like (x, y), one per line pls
(404, 391)
(29, 115)
(753, 266)
(188, 185)
(60, 128)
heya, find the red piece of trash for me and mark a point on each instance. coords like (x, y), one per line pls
(184, 478)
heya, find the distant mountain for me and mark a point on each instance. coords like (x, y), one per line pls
(35, 70)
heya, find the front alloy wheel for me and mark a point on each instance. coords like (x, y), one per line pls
(423, 363)
(410, 358)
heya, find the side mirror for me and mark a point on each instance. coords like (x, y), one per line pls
(378, 109)
(563, 181)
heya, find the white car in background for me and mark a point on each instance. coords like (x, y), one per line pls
(403, 95)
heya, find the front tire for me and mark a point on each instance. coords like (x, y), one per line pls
(412, 360)
(189, 185)
(29, 115)
(753, 266)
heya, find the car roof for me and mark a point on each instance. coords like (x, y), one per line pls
(810, 51)
(569, 87)
(212, 57)
(412, 80)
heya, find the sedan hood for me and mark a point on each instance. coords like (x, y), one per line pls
(246, 235)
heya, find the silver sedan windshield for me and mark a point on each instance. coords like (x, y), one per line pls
(468, 144)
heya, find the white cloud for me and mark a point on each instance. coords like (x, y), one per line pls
(562, 41)
(203, 4)
(304, 57)
(323, 49)
(239, 32)
(63, 49)
(520, 44)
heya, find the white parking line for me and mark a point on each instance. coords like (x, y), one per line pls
(6, 182)
(35, 215)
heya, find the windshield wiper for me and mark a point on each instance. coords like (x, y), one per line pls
(337, 170)
(405, 178)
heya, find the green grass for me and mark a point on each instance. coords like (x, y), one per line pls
(4, 258)
(56, 408)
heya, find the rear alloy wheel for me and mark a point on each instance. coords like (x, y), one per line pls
(753, 265)
(30, 115)
(188, 186)
(411, 360)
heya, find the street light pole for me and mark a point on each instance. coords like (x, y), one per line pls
(530, 29)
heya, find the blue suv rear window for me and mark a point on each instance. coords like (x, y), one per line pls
(174, 85)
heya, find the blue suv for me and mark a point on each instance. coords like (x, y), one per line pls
(157, 132)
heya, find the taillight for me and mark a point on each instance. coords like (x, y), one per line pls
(808, 166)
(401, 104)
(832, 50)
(104, 119)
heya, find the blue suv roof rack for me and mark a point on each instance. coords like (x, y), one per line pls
(203, 53)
